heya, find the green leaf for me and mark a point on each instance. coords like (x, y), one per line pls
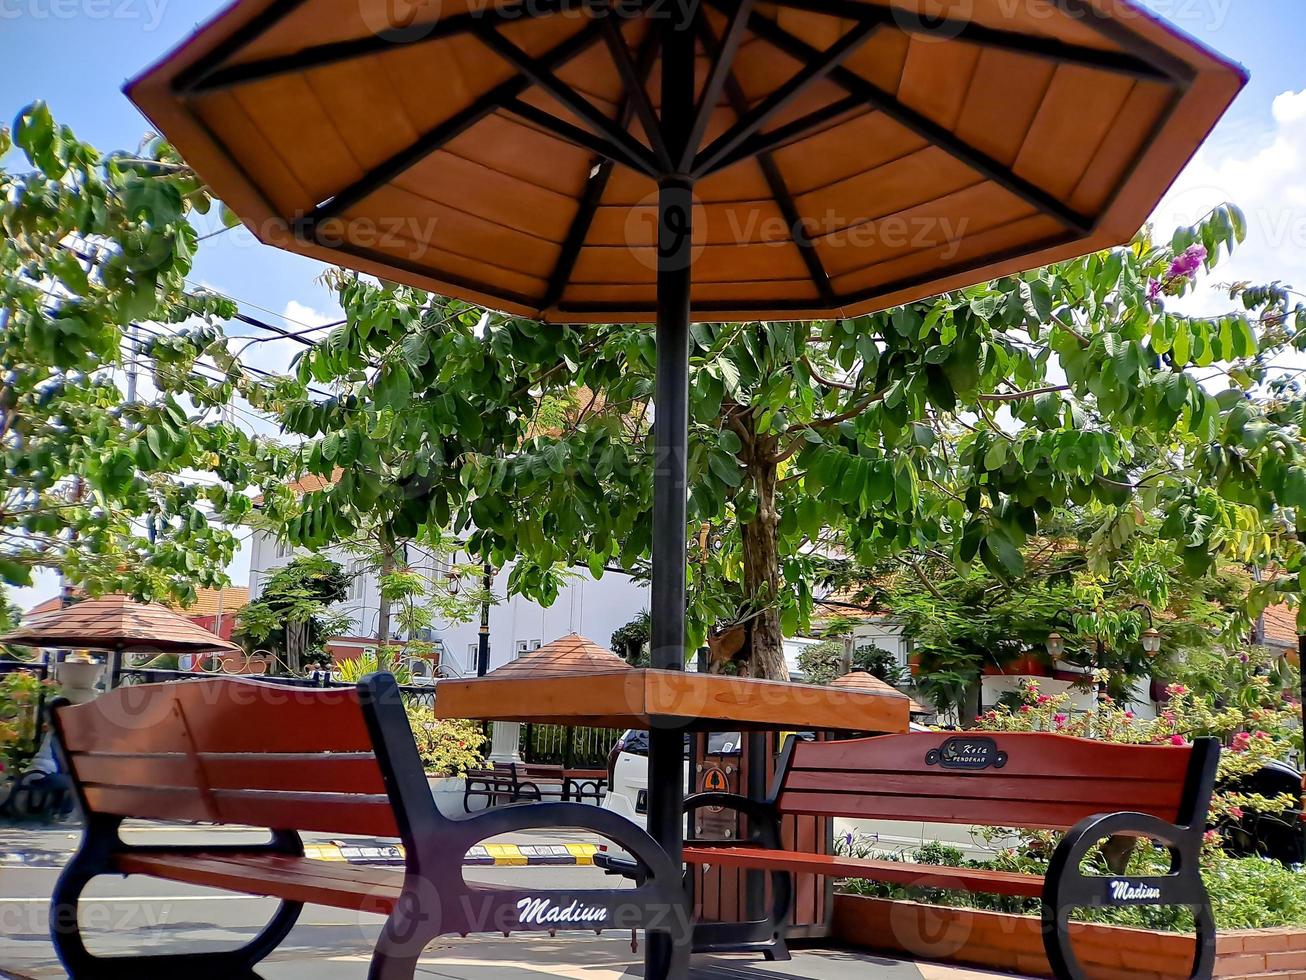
(726, 468)
(729, 441)
(1181, 344)
(1010, 563)
(228, 217)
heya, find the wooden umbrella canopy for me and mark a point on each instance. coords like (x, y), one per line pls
(568, 656)
(861, 680)
(117, 624)
(844, 155)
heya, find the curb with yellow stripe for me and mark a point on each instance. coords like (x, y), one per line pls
(487, 855)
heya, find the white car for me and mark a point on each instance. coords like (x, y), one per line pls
(628, 771)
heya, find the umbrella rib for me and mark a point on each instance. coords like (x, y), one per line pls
(596, 185)
(391, 39)
(618, 144)
(812, 72)
(250, 32)
(927, 128)
(722, 65)
(792, 132)
(576, 135)
(776, 183)
(438, 136)
(1126, 63)
(636, 94)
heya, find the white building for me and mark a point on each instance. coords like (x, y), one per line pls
(595, 608)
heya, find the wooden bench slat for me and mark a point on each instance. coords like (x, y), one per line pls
(150, 803)
(294, 772)
(933, 809)
(1103, 793)
(893, 872)
(282, 876)
(1039, 754)
(324, 812)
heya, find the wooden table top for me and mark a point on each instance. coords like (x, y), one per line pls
(643, 699)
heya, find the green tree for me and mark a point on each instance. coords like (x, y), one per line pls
(963, 621)
(292, 619)
(950, 428)
(91, 245)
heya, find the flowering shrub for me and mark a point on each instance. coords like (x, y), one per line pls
(1256, 727)
(447, 748)
(1246, 893)
(20, 697)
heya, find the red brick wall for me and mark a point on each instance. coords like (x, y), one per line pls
(1014, 943)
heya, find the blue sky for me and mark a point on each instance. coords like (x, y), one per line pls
(76, 54)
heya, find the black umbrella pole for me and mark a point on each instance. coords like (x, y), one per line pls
(666, 796)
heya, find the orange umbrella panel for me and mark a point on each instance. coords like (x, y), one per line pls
(845, 155)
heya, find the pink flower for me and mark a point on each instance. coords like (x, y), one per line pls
(1188, 263)
(1177, 740)
(1129, 714)
(1060, 719)
(1236, 812)
(1044, 698)
(1241, 741)
(1025, 709)
(1154, 290)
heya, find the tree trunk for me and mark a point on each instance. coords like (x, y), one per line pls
(762, 571)
(383, 604)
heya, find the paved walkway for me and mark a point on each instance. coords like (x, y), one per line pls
(145, 915)
(576, 957)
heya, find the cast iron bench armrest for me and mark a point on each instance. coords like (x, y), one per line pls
(1067, 888)
(761, 815)
(766, 935)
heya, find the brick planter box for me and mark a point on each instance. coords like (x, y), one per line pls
(1014, 943)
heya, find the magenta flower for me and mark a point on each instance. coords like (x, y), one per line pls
(1177, 740)
(1186, 265)
(1154, 288)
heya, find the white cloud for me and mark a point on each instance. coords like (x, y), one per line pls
(1264, 174)
(276, 355)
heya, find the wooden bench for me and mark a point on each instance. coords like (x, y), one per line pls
(529, 783)
(1090, 790)
(340, 761)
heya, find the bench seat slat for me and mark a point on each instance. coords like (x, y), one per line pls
(892, 872)
(289, 878)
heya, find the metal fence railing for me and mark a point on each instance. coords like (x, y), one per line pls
(560, 745)
(419, 693)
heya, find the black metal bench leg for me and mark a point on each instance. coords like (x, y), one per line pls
(409, 929)
(94, 860)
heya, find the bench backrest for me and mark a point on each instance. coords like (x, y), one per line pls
(1035, 781)
(230, 751)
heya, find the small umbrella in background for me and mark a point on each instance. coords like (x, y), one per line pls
(117, 624)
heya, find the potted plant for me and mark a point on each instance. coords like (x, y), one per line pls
(448, 749)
